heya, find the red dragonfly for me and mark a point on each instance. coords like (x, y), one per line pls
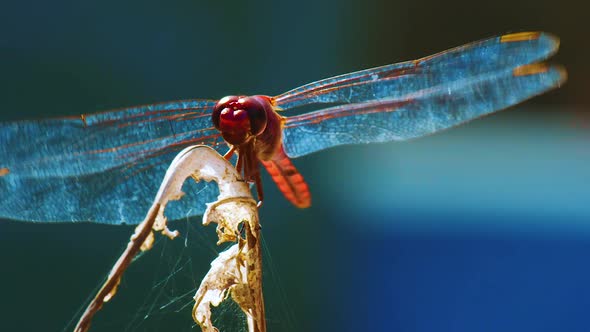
(105, 167)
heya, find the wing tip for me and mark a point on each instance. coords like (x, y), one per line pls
(547, 39)
(557, 74)
(561, 72)
(551, 40)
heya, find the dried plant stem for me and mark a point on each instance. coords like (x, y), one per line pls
(257, 318)
(109, 288)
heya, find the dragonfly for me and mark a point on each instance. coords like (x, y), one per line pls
(105, 167)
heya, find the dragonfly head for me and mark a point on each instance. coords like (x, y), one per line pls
(240, 118)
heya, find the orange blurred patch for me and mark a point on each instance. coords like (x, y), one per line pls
(532, 69)
(520, 36)
(4, 171)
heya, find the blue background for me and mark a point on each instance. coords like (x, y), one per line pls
(481, 228)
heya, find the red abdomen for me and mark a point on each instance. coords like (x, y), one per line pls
(288, 179)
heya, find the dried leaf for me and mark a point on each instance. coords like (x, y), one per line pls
(237, 271)
(201, 163)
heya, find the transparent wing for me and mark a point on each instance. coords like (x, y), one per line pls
(401, 79)
(99, 142)
(104, 167)
(423, 110)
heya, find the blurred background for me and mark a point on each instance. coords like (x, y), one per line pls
(485, 227)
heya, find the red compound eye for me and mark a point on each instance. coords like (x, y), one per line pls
(240, 117)
(255, 108)
(223, 103)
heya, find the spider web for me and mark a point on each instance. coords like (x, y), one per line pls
(156, 292)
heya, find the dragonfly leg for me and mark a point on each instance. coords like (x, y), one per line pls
(248, 163)
(230, 153)
(259, 191)
(240, 163)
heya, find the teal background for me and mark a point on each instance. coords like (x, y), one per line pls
(480, 228)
